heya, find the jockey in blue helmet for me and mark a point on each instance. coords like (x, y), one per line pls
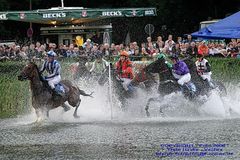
(53, 69)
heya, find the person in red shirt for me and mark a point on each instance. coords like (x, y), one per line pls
(203, 48)
(124, 70)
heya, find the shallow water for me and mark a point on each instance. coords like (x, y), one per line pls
(102, 134)
(134, 139)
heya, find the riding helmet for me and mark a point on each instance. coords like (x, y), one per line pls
(51, 54)
(124, 53)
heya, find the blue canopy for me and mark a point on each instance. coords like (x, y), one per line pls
(228, 27)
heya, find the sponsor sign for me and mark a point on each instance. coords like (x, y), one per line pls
(84, 13)
(3, 17)
(112, 13)
(22, 15)
(134, 12)
(54, 15)
(149, 12)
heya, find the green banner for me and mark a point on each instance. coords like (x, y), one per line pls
(60, 15)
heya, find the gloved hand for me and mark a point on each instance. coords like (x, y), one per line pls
(120, 72)
(43, 78)
(118, 78)
(200, 73)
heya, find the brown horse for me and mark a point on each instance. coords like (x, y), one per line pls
(43, 98)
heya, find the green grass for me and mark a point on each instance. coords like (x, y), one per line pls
(15, 96)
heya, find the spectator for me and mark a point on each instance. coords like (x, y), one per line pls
(159, 43)
(203, 48)
(192, 50)
(136, 56)
(144, 54)
(169, 41)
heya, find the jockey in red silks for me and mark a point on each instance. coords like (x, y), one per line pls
(124, 70)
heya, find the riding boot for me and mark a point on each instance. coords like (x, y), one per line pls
(57, 93)
(211, 85)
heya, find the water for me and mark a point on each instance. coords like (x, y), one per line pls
(129, 135)
(135, 139)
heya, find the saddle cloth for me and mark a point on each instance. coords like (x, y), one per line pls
(61, 88)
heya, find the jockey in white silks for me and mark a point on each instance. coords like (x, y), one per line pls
(53, 69)
(204, 69)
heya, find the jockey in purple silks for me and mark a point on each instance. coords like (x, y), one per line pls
(180, 71)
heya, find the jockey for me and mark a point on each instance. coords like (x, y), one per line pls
(99, 65)
(204, 69)
(181, 72)
(53, 69)
(162, 55)
(124, 70)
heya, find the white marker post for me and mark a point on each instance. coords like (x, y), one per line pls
(110, 89)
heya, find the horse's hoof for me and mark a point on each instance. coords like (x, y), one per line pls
(148, 114)
(161, 113)
(76, 116)
(66, 109)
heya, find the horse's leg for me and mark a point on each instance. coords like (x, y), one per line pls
(75, 112)
(148, 103)
(66, 107)
(39, 117)
(47, 113)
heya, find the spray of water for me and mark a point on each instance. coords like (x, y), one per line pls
(174, 106)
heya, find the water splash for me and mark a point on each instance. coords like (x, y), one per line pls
(175, 107)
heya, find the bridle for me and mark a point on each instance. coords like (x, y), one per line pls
(24, 75)
(165, 70)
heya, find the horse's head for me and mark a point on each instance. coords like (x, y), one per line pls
(157, 66)
(28, 72)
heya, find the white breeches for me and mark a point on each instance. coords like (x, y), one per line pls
(182, 79)
(53, 81)
(125, 83)
(206, 75)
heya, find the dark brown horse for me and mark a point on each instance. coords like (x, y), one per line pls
(43, 98)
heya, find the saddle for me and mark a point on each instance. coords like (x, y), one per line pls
(189, 89)
(61, 89)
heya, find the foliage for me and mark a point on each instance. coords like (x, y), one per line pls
(226, 70)
(15, 96)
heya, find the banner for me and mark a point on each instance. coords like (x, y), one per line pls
(58, 16)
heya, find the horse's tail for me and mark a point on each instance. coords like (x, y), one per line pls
(81, 92)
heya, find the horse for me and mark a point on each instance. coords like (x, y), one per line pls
(43, 98)
(168, 84)
(202, 85)
(79, 69)
(141, 79)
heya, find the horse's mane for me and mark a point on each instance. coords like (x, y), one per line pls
(39, 74)
(159, 66)
(35, 65)
(153, 67)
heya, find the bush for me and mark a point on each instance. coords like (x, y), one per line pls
(15, 96)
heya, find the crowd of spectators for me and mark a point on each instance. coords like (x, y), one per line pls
(137, 51)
